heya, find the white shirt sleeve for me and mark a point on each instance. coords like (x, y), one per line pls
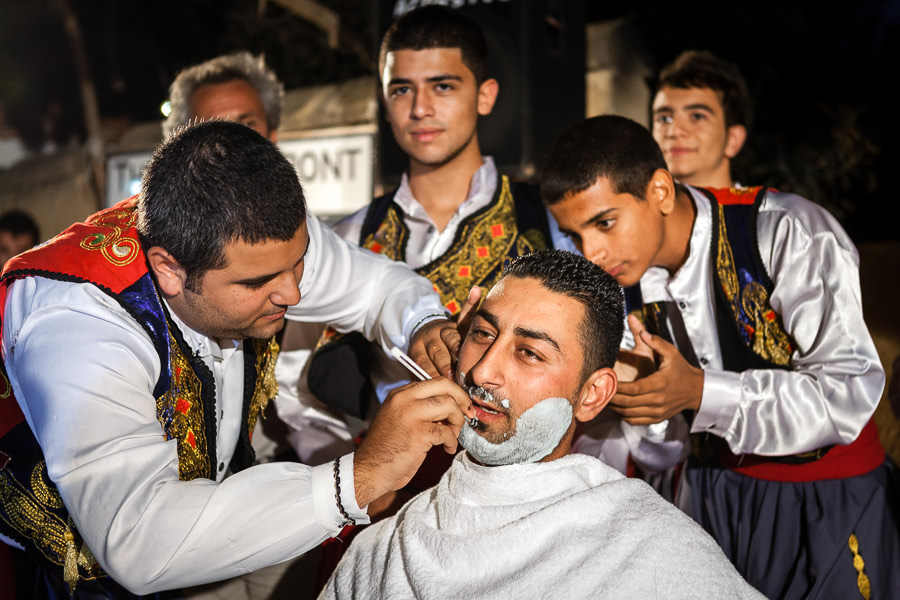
(836, 379)
(83, 371)
(316, 433)
(357, 290)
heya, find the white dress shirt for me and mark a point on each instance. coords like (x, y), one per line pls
(84, 371)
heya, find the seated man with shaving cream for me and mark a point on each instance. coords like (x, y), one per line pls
(517, 515)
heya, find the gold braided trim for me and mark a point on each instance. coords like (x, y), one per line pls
(180, 412)
(769, 340)
(483, 243)
(30, 513)
(862, 580)
(266, 387)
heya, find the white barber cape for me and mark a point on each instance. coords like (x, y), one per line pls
(570, 528)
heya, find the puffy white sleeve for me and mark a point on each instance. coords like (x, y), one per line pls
(83, 372)
(836, 379)
(357, 290)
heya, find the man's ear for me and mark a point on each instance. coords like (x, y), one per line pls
(661, 191)
(596, 393)
(487, 96)
(169, 273)
(734, 140)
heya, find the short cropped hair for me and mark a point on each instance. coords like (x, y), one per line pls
(435, 26)
(703, 69)
(605, 146)
(575, 276)
(18, 222)
(222, 69)
(213, 183)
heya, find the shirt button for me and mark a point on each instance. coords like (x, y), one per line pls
(431, 229)
(221, 467)
(703, 360)
(682, 304)
(713, 426)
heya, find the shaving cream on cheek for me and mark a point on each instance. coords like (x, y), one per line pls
(538, 432)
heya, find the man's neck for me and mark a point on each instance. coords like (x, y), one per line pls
(679, 225)
(441, 190)
(720, 178)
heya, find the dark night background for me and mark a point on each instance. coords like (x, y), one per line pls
(824, 121)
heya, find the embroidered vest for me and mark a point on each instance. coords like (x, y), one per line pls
(751, 335)
(105, 251)
(513, 224)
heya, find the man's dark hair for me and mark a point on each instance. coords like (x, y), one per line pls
(435, 26)
(703, 69)
(19, 222)
(222, 69)
(214, 183)
(606, 146)
(603, 300)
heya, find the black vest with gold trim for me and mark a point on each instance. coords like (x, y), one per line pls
(105, 251)
(512, 224)
(751, 334)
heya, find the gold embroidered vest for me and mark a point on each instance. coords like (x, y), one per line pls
(105, 251)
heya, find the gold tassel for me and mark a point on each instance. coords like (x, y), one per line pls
(862, 581)
(70, 569)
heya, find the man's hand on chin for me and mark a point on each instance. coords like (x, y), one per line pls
(412, 419)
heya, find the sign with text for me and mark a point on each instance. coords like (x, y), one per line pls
(336, 171)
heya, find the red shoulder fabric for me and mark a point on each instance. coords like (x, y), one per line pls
(111, 232)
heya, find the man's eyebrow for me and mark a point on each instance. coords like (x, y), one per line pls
(270, 276)
(432, 79)
(536, 335)
(697, 106)
(518, 331)
(489, 317)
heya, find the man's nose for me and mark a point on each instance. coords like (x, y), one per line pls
(594, 251)
(423, 105)
(675, 128)
(488, 371)
(287, 290)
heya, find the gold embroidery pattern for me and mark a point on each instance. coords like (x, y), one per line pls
(390, 237)
(266, 387)
(180, 412)
(31, 514)
(769, 339)
(482, 245)
(114, 246)
(5, 387)
(862, 580)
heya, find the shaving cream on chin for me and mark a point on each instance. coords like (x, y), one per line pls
(538, 432)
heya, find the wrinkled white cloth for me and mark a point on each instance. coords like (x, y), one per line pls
(569, 528)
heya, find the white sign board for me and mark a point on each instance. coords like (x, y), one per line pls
(336, 172)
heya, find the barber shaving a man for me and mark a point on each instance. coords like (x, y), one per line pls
(138, 352)
(518, 515)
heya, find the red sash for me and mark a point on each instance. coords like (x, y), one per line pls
(859, 457)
